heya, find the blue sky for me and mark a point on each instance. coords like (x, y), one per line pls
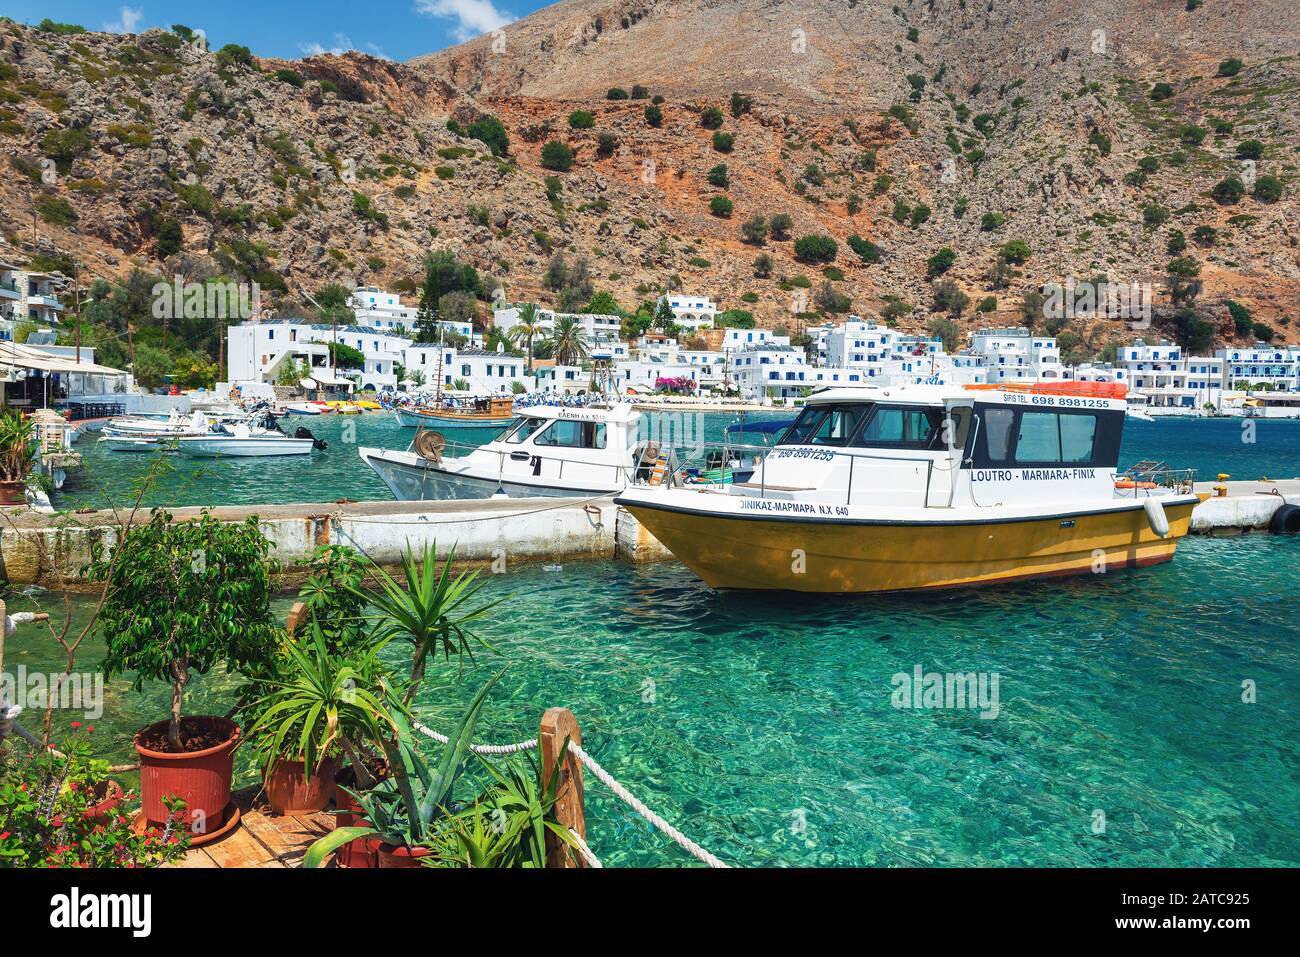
(397, 29)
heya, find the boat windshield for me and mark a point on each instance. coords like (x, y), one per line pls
(869, 425)
(825, 425)
(568, 434)
(524, 429)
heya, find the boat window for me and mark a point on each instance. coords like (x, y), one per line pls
(838, 425)
(524, 430)
(901, 427)
(1078, 437)
(997, 433)
(1040, 438)
(567, 434)
(1048, 437)
(810, 419)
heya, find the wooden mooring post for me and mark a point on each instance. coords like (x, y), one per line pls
(557, 725)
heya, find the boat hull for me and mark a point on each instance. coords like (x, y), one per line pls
(729, 551)
(409, 419)
(244, 448)
(428, 483)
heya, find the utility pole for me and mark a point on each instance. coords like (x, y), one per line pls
(76, 305)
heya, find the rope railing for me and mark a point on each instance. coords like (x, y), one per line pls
(619, 790)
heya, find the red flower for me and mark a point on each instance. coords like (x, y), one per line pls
(4, 836)
(76, 724)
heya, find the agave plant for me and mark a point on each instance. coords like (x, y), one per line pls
(431, 610)
(322, 703)
(507, 826)
(404, 809)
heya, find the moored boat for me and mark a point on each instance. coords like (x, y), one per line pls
(916, 487)
(551, 451)
(243, 441)
(485, 414)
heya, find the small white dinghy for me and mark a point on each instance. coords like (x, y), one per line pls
(242, 441)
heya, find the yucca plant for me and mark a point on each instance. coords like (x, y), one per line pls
(324, 702)
(430, 609)
(404, 809)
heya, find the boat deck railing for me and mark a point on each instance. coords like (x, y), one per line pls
(1143, 477)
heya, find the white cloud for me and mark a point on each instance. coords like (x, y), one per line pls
(342, 44)
(473, 17)
(129, 20)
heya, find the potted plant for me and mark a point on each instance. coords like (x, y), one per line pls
(182, 597)
(507, 825)
(402, 812)
(321, 705)
(59, 808)
(17, 437)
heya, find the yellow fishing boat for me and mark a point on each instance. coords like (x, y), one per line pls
(917, 487)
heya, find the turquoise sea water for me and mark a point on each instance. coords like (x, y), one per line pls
(1244, 448)
(765, 727)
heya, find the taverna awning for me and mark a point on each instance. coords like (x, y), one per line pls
(24, 357)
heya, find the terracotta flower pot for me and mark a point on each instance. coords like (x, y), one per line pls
(288, 791)
(13, 493)
(390, 857)
(200, 778)
(108, 802)
(361, 853)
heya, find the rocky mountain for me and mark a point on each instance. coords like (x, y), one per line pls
(1037, 141)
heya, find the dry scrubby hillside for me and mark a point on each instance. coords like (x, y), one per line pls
(1045, 116)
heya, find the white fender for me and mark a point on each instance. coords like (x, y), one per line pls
(1156, 517)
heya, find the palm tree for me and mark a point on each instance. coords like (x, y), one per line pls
(526, 328)
(568, 342)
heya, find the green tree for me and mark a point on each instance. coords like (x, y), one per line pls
(816, 249)
(557, 156)
(711, 118)
(492, 131)
(181, 597)
(568, 342)
(654, 115)
(940, 262)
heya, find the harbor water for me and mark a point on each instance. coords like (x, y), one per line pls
(765, 725)
(1245, 448)
(1139, 718)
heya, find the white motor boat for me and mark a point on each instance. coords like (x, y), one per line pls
(174, 424)
(243, 441)
(303, 408)
(552, 451)
(142, 442)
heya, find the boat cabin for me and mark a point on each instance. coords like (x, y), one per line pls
(945, 446)
(565, 445)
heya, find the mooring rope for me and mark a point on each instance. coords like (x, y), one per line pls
(567, 503)
(528, 745)
(605, 778)
(591, 859)
(632, 801)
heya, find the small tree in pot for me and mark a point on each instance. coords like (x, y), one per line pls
(181, 598)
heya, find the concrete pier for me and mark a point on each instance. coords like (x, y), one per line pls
(43, 549)
(1247, 507)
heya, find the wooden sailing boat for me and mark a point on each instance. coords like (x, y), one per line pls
(492, 413)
